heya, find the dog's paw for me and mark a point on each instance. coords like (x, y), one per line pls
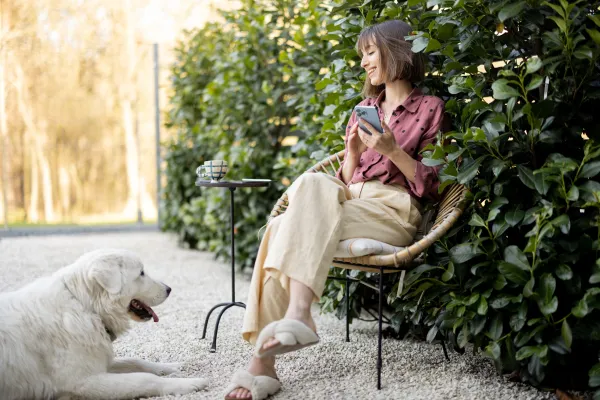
(168, 368)
(186, 385)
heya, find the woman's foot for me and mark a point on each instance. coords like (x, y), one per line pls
(305, 318)
(257, 367)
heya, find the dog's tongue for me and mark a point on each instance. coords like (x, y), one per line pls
(151, 311)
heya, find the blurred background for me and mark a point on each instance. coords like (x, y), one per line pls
(81, 86)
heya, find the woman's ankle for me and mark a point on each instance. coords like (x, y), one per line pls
(262, 366)
(303, 316)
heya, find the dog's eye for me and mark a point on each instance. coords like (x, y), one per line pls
(142, 273)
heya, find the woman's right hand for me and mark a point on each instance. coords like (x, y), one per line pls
(355, 144)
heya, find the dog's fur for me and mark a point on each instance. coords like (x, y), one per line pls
(56, 334)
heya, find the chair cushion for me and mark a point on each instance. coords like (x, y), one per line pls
(357, 247)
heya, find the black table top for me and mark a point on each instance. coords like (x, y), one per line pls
(231, 184)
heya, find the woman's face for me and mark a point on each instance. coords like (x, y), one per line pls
(371, 62)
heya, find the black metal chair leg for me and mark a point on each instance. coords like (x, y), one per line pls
(445, 352)
(208, 317)
(347, 305)
(379, 361)
(213, 348)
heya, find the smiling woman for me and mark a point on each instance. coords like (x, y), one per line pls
(375, 195)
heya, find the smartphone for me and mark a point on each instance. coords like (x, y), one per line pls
(369, 114)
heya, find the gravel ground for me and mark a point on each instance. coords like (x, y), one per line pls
(332, 370)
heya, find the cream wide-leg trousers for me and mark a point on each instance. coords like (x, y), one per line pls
(300, 244)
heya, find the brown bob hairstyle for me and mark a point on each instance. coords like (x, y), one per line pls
(397, 59)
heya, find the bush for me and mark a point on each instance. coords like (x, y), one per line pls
(518, 278)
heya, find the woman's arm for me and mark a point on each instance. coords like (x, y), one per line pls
(350, 164)
(405, 163)
(354, 149)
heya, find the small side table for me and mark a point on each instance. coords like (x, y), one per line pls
(232, 186)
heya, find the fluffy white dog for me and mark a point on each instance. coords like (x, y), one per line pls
(56, 333)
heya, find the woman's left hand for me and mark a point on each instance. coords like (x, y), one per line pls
(383, 143)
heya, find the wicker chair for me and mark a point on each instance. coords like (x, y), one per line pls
(446, 213)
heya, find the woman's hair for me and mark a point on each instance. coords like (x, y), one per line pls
(397, 59)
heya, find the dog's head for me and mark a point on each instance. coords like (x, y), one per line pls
(117, 285)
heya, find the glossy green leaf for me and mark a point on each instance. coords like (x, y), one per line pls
(564, 272)
(566, 333)
(595, 18)
(528, 289)
(526, 176)
(449, 272)
(420, 44)
(595, 35)
(502, 90)
(511, 10)
(513, 273)
(560, 22)
(535, 82)
(514, 217)
(590, 170)
(464, 252)
(476, 220)
(534, 64)
(514, 255)
(495, 328)
(467, 174)
(483, 306)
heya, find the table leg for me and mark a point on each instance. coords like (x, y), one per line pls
(233, 303)
(232, 190)
(213, 348)
(208, 317)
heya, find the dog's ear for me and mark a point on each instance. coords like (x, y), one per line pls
(107, 276)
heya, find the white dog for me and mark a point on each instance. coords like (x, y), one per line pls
(56, 333)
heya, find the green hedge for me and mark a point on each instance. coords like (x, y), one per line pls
(518, 278)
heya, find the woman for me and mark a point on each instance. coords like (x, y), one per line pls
(375, 195)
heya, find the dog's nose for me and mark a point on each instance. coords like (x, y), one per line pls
(168, 290)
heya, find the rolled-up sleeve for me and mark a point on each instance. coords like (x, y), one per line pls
(426, 182)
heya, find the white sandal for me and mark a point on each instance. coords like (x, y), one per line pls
(291, 334)
(260, 386)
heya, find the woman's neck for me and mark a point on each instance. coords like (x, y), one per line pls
(397, 91)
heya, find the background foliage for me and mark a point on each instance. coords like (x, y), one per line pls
(519, 277)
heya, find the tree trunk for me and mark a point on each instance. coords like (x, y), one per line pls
(129, 104)
(32, 209)
(36, 138)
(3, 122)
(64, 192)
(44, 165)
(5, 143)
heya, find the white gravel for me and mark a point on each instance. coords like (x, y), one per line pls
(332, 370)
